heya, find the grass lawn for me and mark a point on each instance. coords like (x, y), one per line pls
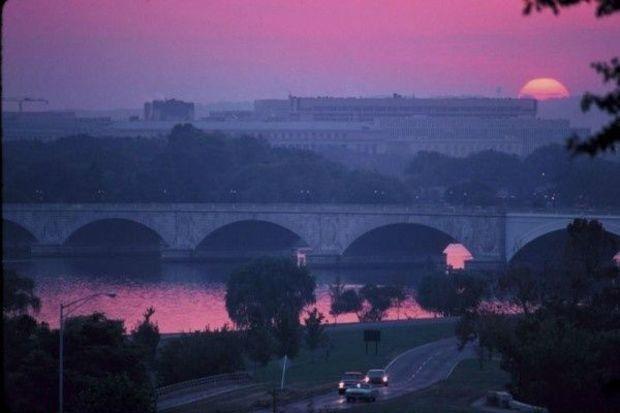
(456, 394)
(347, 352)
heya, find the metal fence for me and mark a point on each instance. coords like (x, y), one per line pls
(208, 381)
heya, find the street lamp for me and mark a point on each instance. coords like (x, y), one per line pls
(72, 306)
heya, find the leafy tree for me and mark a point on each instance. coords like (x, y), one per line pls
(470, 193)
(146, 335)
(259, 344)
(349, 301)
(335, 293)
(315, 329)
(96, 352)
(451, 294)
(570, 318)
(523, 287)
(398, 294)
(609, 136)
(115, 394)
(377, 300)
(18, 295)
(271, 292)
(199, 354)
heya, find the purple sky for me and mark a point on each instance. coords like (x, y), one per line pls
(119, 53)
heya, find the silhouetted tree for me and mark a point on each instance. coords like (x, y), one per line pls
(348, 302)
(609, 136)
(146, 335)
(335, 292)
(200, 354)
(18, 295)
(570, 317)
(314, 329)
(377, 300)
(271, 292)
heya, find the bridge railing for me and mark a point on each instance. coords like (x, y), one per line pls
(240, 377)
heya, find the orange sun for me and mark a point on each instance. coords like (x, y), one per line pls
(543, 88)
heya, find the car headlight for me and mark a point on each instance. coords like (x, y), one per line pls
(385, 379)
(341, 385)
(366, 379)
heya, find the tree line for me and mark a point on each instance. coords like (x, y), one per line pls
(193, 166)
(556, 328)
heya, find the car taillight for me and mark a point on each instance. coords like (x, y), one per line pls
(341, 385)
(385, 379)
(366, 379)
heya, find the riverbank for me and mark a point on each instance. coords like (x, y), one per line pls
(345, 350)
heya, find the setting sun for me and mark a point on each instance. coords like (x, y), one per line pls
(544, 88)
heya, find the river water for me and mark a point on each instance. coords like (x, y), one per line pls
(186, 296)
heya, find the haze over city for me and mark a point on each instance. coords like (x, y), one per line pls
(119, 54)
(299, 206)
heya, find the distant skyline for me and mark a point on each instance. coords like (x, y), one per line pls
(118, 54)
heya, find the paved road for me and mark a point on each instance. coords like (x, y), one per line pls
(412, 370)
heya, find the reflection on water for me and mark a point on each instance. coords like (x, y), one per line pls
(186, 296)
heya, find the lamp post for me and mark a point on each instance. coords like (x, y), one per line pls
(72, 306)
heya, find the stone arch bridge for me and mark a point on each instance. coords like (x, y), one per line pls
(492, 236)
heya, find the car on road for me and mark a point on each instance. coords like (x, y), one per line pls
(376, 376)
(349, 379)
(362, 391)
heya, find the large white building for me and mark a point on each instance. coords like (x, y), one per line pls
(393, 125)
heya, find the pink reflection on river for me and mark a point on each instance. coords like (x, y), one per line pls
(178, 307)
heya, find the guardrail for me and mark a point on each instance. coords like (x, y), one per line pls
(216, 380)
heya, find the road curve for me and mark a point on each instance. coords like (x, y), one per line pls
(410, 371)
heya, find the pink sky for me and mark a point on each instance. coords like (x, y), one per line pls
(119, 53)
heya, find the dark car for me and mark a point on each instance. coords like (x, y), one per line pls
(376, 376)
(361, 391)
(348, 380)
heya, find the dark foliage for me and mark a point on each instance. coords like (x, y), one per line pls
(314, 329)
(200, 354)
(561, 349)
(146, 335)
(609, 136)
(548, 177)
(452, 294)
(191, 166)
(269, 294)
(104, 371)
(603, 7)
(18, 294)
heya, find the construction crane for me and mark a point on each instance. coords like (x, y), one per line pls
(20, 101)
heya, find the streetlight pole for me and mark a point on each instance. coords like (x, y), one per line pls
(75, 304)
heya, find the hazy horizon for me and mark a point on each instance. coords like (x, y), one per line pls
(114, 54)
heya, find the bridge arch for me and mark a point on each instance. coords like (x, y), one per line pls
(249, 237)
(12, 229)
(551, 234)
(114, 235)
(420, 242)
(553, 226)
(17, 240)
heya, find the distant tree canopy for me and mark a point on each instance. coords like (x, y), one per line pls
(609, 136)
(193, 166)
(190, 166)
(546, 177)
